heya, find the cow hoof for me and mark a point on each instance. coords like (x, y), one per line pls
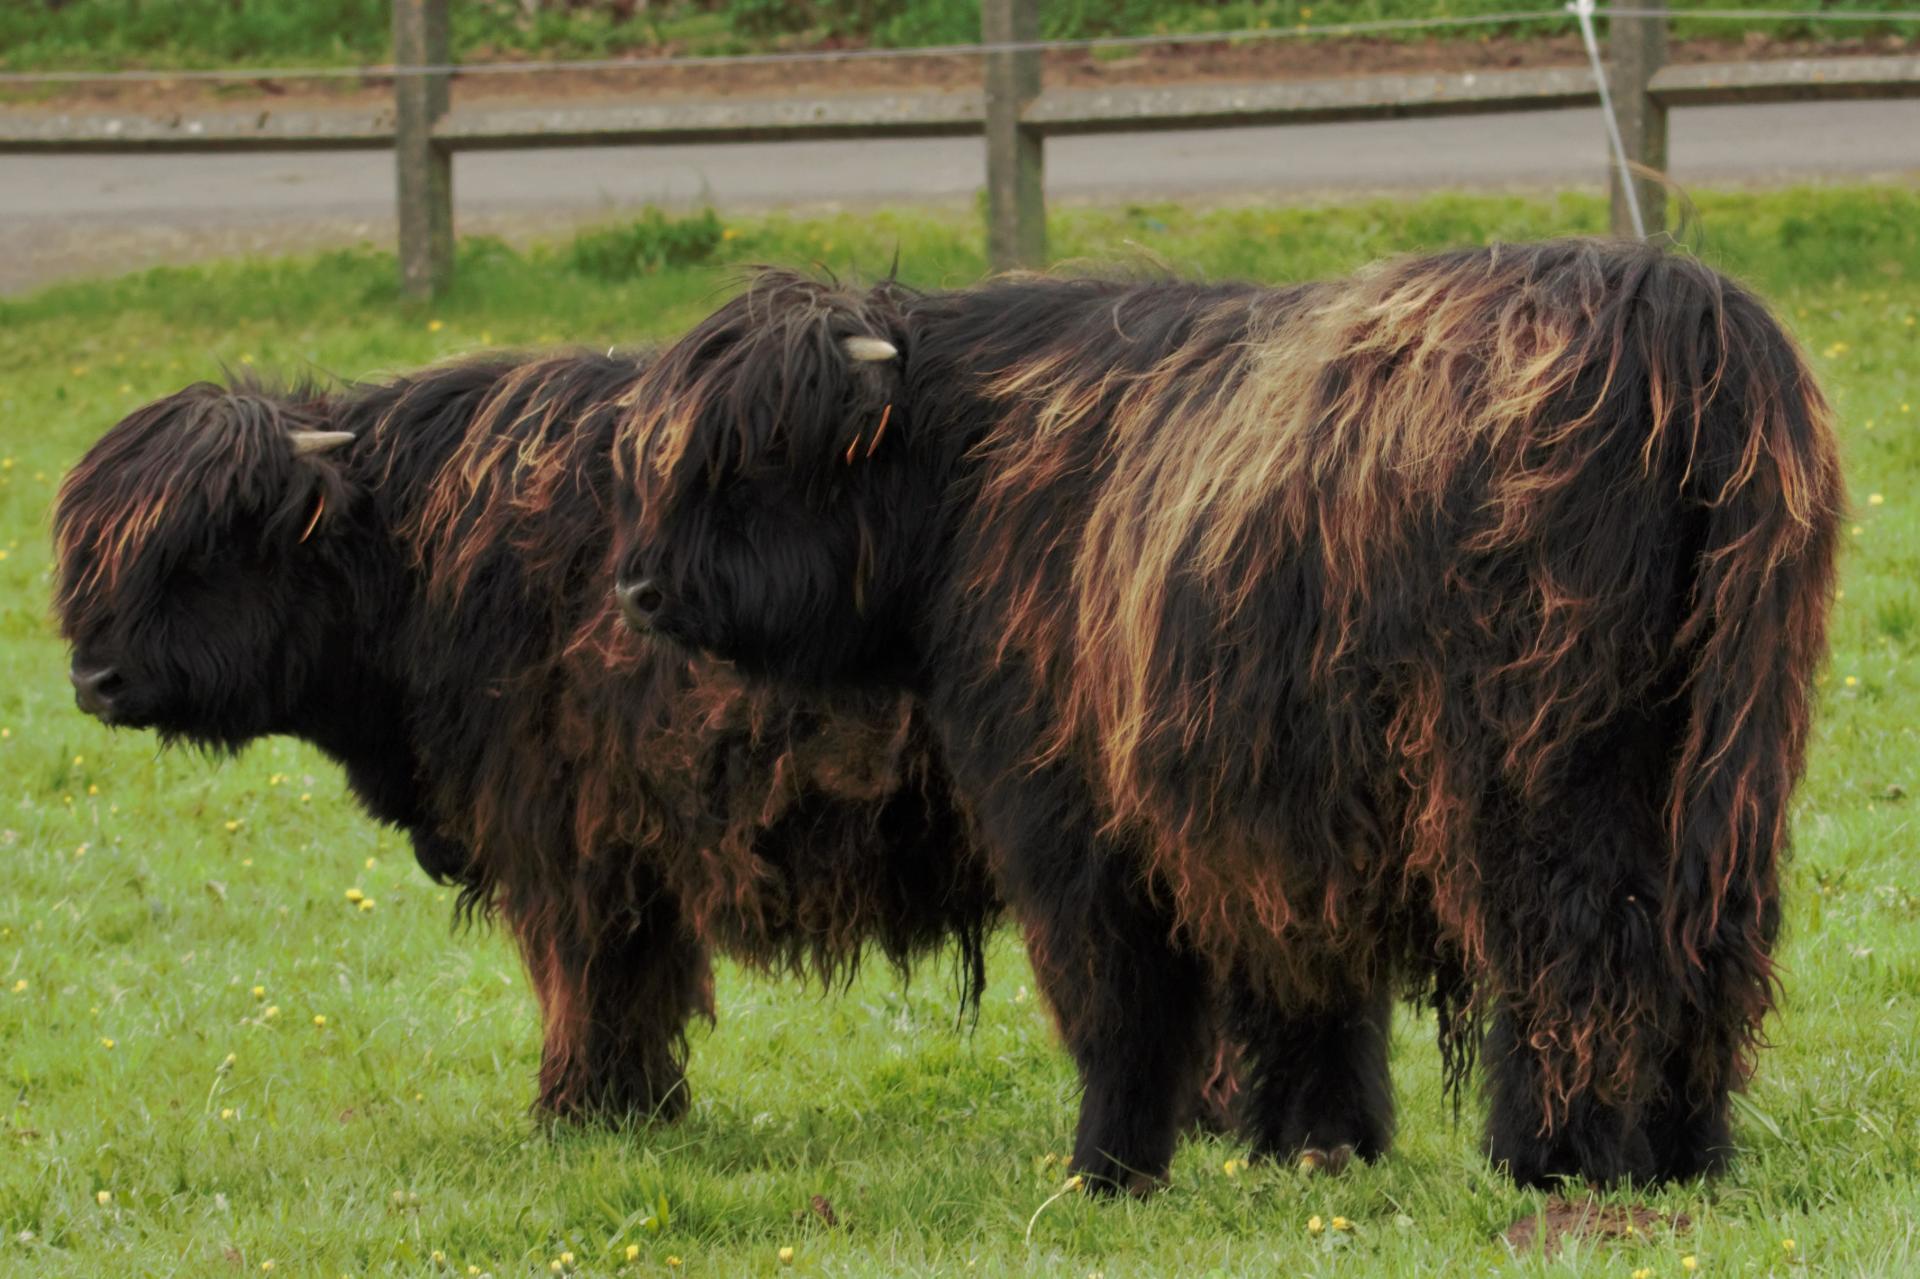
(1331, 1163)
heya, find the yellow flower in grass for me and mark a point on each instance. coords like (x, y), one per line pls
(267, 1265)
(1315, 1225)
(106, 1043)
(1644, 1272)
(273, 1010)
(365, 903)
(566, 1258)
(1689, 1263)
(259, 992)
(673, 1263)
(439, 1258)
(1341, 1223)
(226, 1112)
(320, 1020)
(1876, 499)
(1851, 680)
(633, 1252)
(233, 824)
(103, 1197)
(434, 326)
(355, 896)
(786, 1255)
(19, 985)
(1787, 1245)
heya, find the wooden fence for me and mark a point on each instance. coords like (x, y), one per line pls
(1013, 112)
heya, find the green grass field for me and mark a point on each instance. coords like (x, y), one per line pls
(174, 928)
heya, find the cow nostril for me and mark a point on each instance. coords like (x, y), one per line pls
(639, 601)
(94, 689)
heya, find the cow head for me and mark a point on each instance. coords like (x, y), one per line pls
(777, 506)
(191, 542)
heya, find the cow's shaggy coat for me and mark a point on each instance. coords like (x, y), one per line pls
(413, 576)
(1453, 622)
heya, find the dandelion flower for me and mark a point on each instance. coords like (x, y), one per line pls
(355, 896)
(1341, 1223)
(555, 1266)
(786, 1255)
(372, 862)
(473, 1270)
(267, 1265)
(227, 1062)
(94, 789)
(106, 1043)
(1876, 499)
(365, 903)
(79, 760)
(259, 992)
(439, 1258)
(1644, 1272)
(320, 1019)
(673, 1263)
(1689, 1263)
(1315, 1225)
(19, 985)
(434, 326)
(233, 824)
(103, 1197)
(566, 1258)
(273, 1010)
(633, 1252)
(306, 798)
(1076, 1181)
(1230, 1167)
(226, 1112)
(1851, 680)
(1787, 1245)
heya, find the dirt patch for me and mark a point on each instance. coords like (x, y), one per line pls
(1071, 69)
(1563, 1221)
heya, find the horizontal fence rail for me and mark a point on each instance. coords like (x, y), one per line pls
(1011, 111)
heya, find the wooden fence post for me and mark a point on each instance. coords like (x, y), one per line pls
(1016, 202)
(1637, 47)
(423, 168)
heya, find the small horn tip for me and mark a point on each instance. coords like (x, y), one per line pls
(870, 350)
(308, 443)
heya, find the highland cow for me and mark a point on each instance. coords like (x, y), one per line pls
(413, 577)
(1295, 646)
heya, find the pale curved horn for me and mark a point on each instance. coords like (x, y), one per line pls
(869, 350)
(307, 443)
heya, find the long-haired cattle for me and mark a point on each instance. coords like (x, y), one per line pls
(1455, 623)
(413, 576)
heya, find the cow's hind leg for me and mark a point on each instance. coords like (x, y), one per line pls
(616, 993)
(1588, 1007)
(1316, 1088)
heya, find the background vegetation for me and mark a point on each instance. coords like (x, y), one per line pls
(39, 34)
(173, 929)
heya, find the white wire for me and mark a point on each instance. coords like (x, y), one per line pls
(1583, 10)
(388, 70)
(795, 57)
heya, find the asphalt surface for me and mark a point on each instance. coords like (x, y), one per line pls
(75, 214)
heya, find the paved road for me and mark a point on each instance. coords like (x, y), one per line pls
(62, 214)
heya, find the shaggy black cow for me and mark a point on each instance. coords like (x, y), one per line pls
(413, 577)
(1305, 643)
